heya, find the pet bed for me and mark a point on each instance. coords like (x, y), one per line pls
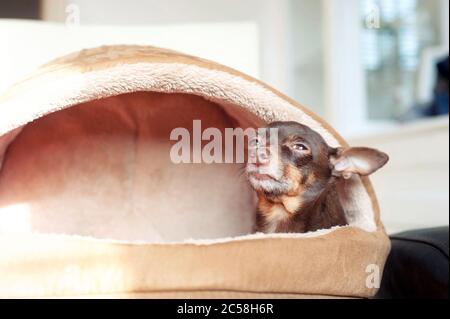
(92, 205)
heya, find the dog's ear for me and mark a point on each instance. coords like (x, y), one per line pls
(356, 160)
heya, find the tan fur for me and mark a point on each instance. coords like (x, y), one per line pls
(280, 209)
(294, 175)
(277, 211)
(291, 203)
(312, 178)
(276, 215)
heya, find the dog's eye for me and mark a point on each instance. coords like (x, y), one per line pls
(254, 142)
(300, 147)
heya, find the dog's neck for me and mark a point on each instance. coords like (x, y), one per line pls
(300, 212)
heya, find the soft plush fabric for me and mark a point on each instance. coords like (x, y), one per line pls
(111, 157)
(90, 203)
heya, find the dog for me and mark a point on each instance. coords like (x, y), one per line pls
(296, 179)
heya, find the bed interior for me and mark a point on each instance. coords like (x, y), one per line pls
(102, 169)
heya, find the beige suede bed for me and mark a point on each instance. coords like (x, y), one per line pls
(91, 204)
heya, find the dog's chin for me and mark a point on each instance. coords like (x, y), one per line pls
(268, 184)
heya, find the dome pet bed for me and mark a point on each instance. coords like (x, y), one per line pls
(91, 205)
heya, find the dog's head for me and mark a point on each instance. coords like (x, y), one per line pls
(290, 158)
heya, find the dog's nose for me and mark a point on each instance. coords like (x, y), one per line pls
(262, 155)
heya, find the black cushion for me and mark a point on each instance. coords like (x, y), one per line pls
(417, 266)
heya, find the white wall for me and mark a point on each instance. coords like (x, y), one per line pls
(413, 189)
(445, 23)
(345, 87)
(139, 12)
(308, 56)
(26, 45)
(271, 18)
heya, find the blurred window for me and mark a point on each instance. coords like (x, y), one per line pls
(395, 35)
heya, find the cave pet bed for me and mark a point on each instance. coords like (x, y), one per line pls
(91, 205)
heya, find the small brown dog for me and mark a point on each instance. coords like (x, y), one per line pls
(296, 179)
